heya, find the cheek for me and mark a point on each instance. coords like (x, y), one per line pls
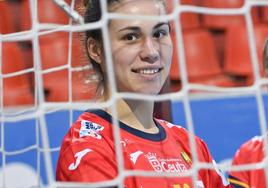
(125, 55)
(166, 53)
(120, 63)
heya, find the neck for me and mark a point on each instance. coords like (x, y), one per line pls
(143, 110)
(137, 114)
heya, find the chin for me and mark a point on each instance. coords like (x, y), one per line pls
(148, 91)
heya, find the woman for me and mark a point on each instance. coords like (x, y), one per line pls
(252, 151)
(141, 52)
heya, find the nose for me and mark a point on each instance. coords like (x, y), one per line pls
(150, 51)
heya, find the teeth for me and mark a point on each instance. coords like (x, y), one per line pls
(148, 71)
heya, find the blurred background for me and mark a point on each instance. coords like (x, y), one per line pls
(216, 51)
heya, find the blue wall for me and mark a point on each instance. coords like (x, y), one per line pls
(224, 124)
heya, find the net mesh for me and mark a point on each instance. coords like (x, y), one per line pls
(39, 131)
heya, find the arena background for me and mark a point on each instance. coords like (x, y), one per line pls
(224, 122)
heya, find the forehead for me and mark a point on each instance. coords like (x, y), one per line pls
(139, 7)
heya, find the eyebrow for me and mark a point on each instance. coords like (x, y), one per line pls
(160, 24)
(135, 28)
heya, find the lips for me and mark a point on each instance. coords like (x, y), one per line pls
(147, 71)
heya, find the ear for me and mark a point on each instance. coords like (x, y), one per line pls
(94, 49)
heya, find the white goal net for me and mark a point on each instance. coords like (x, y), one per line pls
(46, 82)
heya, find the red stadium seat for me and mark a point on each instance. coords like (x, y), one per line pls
(237, 51)
(222, 22)
(16, 89)
(265, 14)
(188, 20)
(58, 42)
(202, 62)
(200, 55)
(6, 22)
(54, 53)
(54, 45)
(55, 14)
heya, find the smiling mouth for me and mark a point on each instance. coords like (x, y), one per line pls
(147, 71)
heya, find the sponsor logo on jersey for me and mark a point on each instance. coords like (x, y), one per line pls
(225, 182)
(166, 165)
(90, 129)
(78, 156)
(134, 156)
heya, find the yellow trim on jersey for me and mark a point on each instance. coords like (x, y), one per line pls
(238, 183)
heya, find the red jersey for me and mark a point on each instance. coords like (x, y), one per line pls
(88, 154)
(250, 152)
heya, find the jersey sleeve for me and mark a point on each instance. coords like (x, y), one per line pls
(86, 163)
(213, 177)
(87, 154)
(239, 179)
(249, 152)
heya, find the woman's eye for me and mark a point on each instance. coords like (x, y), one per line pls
(159, 34)
(131, 37)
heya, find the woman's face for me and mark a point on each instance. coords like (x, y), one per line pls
(141, 49)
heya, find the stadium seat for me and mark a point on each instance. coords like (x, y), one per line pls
(188, 20)
(16, 89)
(6, 23)
(54, 53)
(237, 51)
(265, 14)
(59, 42)
(202, 62)
(222, 21)
(199, 54)
(54, 45)
(55, 14)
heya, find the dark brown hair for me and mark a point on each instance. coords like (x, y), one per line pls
(93, 13)
(265, 57)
